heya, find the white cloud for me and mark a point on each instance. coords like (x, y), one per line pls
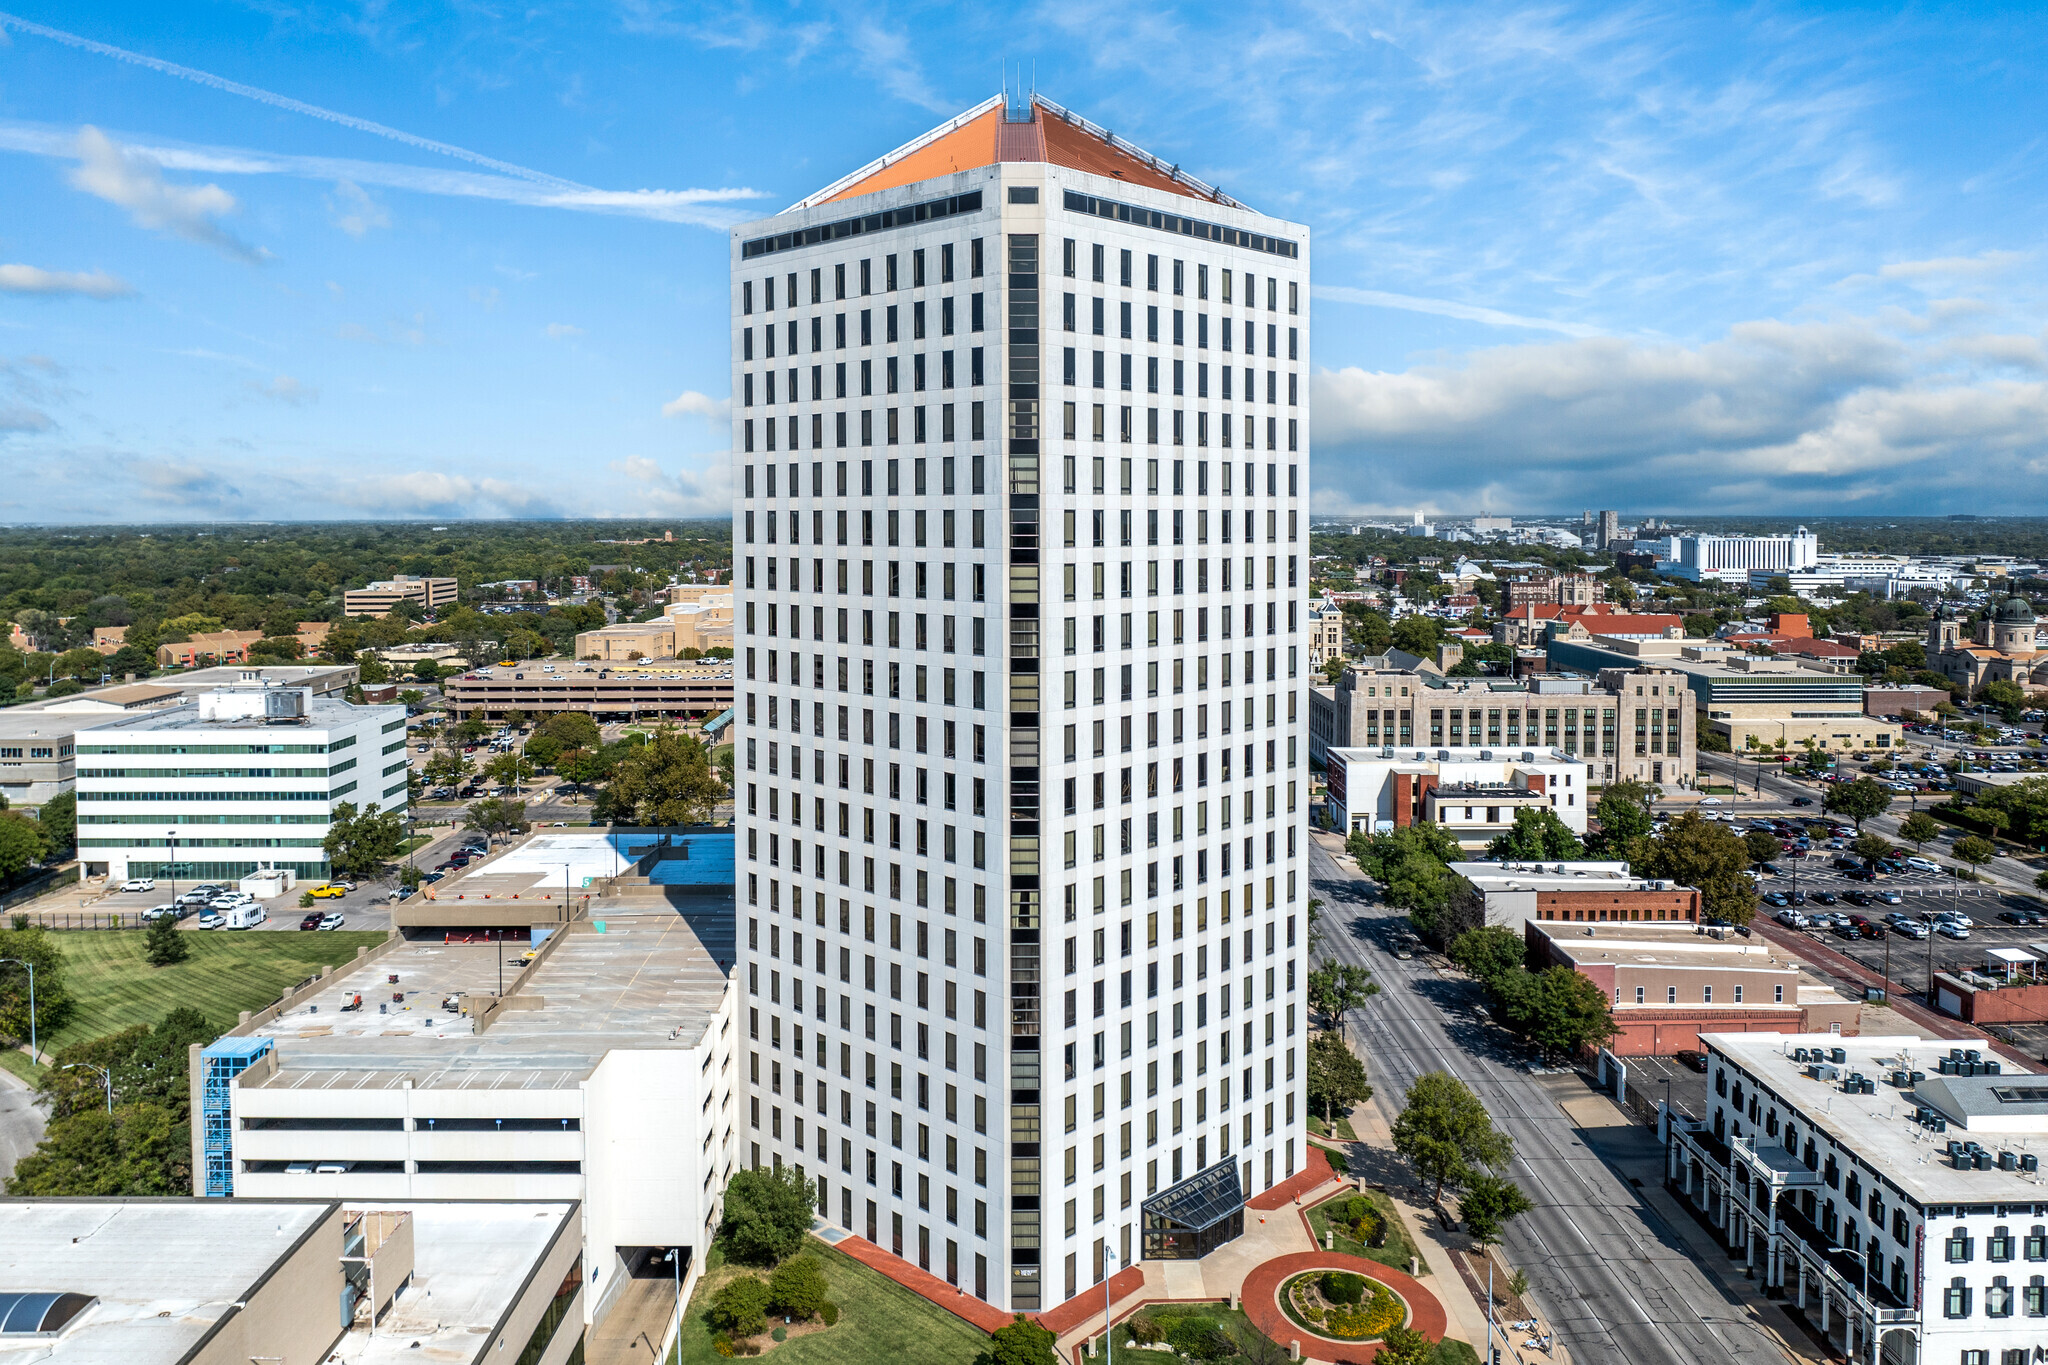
(18, 418)
(425, 492)
(284, 389)
(1493, 317)
(1949, 267)
(705, 491)
(134, 181)
(354, 211)
(1772, 417)
(29, 279)
(698, 207)
(692, 403)
(558, 330)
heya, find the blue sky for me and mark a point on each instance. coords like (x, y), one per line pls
(281, 260)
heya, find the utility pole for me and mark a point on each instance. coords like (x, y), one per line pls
(33, 1053)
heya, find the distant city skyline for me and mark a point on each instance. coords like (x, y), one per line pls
(336, 265)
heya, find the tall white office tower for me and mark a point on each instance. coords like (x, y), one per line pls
(1020, 451)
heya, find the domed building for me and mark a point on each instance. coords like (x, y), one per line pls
(2006, 646)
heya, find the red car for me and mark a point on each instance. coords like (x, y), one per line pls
(311, 921)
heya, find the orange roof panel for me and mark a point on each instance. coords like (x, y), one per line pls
(990, 139)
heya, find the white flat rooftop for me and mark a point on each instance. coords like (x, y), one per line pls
(470, 1261)
(164, 1271)
(1880, 1128)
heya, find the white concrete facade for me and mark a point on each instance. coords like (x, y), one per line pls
(220, 789)
(1021, 724)
(1472, 792)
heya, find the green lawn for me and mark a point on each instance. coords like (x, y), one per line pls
(880, 1323)
(112, 986)
(1399, 1246)
(1344, 1131)
(1234, 1324)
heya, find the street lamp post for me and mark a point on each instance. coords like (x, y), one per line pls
(675, 1254)
(105, 1075)
(33, 1053)
(1108, 1337)
(171, 840)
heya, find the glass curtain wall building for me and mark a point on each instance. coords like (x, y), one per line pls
(1020, 435)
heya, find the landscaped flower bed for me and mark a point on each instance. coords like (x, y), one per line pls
(1342, 1305)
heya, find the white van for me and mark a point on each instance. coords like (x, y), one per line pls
(1923, 864)
(245, 916)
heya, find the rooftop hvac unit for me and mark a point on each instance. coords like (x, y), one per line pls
(1869, 1087)
(1991, 1068)
(2030, 1163)
(1973, 1055)
(284, 704)
(1948, 1066)
(1898, 1080)
(1955, 1054)
(1983, 1161)
(2008, 1161)
(1839, 1054)
(1939, 1123)
(1919, 1076)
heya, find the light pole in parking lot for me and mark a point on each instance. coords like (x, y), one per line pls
(105, 1075)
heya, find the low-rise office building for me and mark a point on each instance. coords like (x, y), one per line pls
(1889, 1186)
(702, 620)
(1669, 982)
(1749, 699)
(1583, 892)
(36, 760)
(379, 598)
(601, 1073)
(220, 1282)
(1627, 724)
(235, 780)
(1473, 793)
(658, 689)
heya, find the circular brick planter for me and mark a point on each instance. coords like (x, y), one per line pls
(1262, 1304)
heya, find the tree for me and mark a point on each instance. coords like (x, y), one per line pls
(1336, 1077)
(1761, 845)
(767, 1213)
(1918, 828)
(516, 718)
(2007, 696)
(21, 843)
(1708, 856)
(668, 781)
(164, 945)
(1538, 835)
(1333, 669)
(508, 769)
(358, 843)
(1557, 1009)
(740, 1306)
(1418, 635)
(447, 767)
(1975, 850)
(1022, 1342)
(1446, 1134)
(1488, 952)
(1489, 1204)
(139, 1149)
(1624, 812)
(1404, 1346)
(797, 1287)
(1336, 988)
(573, 729)
(543, 750)
(1871, 847)
(496, 816)
(58, 819)
(371, 669)
(1370, 628)
(1859, 800)
(35, 944)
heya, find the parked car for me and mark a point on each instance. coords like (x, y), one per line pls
(1861, 874)
(1847, 931)
(327, 892)
(139, 884)
(1891, 898)
(1802, 800)
(1696, 1061)
(1923, 864)
(1912, 929)
(1791, 919)
(429, 878)
(1742, 929)
(2014, 916)
(1710, 800)
(1822, 897)
(157, 912)
(1771, 870)
(1777, 898)
(213, 920)
(1950, 929)
(311, 921)
(331, 920)
(200, 897)
(1858, 897)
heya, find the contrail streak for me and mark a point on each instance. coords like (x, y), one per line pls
(284, 102)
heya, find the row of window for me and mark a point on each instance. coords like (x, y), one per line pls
(920, 484)
(1706, 992)
(1228, 433)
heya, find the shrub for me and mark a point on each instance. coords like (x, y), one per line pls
(797, 1287)
(722, 1344)
(779, 1334)
(829, 1311)
(1341, 1287)
(1146, 1331)
(740, 1306)
(1339, 1163)
(1201, 1339)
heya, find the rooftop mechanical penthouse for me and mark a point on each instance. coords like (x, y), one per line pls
(1020, 440)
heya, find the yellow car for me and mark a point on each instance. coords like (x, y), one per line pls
(321, 893)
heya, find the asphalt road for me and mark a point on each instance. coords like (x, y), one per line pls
(1615, 1284)
(21, 1122)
